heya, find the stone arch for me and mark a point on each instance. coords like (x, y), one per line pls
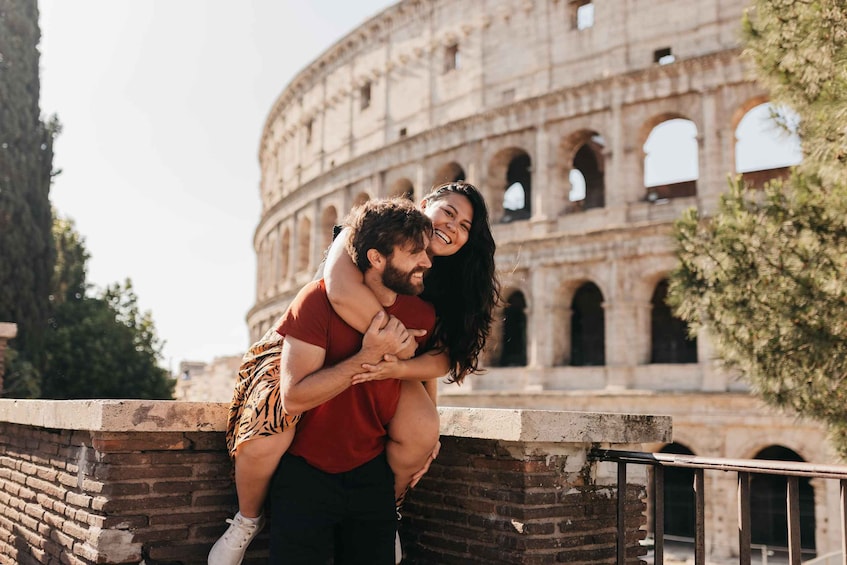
(449, 172)
(680, 504)
(583, 159)
(402, 188)
(588, 327)
(769, 524)
(513, 339)
(671, 157)
(284, 253)
(510, 178)
(304, 243)
(275, 263)
(668, 334)
(361, 198)
(329, 220)
(763, 150)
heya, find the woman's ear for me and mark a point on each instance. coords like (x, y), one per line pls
(423, 204)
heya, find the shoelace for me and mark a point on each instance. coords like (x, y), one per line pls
(244, 529)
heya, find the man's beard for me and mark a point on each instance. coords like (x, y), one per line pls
(401, 282)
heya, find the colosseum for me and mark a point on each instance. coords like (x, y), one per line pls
(589, 126)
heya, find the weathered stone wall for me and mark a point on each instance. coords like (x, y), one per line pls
(85, 482)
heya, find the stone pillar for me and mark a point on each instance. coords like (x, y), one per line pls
(8, 331)
(516, 486)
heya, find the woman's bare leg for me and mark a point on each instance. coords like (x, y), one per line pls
(412, 434)
(255, 463)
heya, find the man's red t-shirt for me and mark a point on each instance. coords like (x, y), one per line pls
(349, 429)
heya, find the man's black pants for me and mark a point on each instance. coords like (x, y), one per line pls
(317, 516)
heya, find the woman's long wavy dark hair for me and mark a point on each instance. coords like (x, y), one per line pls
(463, 287)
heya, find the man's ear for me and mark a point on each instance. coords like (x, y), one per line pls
(375, 258)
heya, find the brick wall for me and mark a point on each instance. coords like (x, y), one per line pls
(85, 482)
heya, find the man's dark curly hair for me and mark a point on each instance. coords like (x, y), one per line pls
(384, 225)
(463, 287)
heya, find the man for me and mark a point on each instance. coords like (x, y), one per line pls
(333, 492)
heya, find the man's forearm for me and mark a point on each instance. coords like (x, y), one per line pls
(322, 385)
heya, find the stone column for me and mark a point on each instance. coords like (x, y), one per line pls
(8, 331)
(517, 486)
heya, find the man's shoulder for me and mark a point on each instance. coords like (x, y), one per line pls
(310, 306)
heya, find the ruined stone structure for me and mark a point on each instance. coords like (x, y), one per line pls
(551, 108)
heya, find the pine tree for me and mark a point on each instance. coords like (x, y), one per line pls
(26, 160)
(767, 273)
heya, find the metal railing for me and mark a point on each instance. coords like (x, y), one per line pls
(744, 468)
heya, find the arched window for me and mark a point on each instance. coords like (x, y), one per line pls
(679, 496)
(284, 251)
(588, 327)
(513, 350)
(517, 196)
(669, 334)
(329, 218)
(587, 175)
(451, 172)
(360, 199)
(304, 241)
(768, 517)
(766, 144)
(403, 188)
(671, 162)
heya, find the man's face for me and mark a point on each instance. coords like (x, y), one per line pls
(405, 269)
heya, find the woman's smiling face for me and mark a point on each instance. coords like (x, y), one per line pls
(452, 216)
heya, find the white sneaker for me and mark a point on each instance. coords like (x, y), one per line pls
(230, 548)
(398, 550)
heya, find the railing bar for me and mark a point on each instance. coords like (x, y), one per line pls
(744, 534)
(621, 541)
(659, 515)
(843, 521)
(700, 518)
(765, 467)
(793, 507)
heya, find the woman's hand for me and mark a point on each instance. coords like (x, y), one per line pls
(388, 368)
(417, 476)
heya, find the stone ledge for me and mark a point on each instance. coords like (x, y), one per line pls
(116, 415)
(553, 426)
(546, 426)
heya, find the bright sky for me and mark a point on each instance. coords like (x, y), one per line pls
(162, 104)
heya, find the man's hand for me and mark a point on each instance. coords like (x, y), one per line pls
(417, 476)
(411, 347)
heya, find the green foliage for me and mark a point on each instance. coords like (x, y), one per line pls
(767, 273)
(800, 52)
(98, 347)
(21, 379)
(26, 157)
(69, 344)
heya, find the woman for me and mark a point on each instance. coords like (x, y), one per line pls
(462, 287)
